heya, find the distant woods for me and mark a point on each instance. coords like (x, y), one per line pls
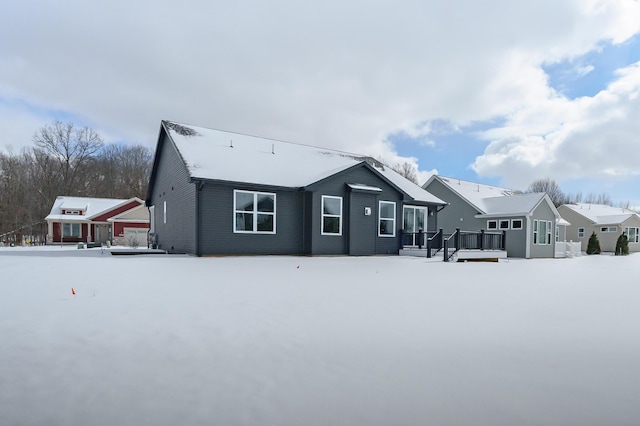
(67, 160)
(558, 197)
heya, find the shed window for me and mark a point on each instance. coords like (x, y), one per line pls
(633, 234)
(331, 215)
(387, 219)
(254, 212)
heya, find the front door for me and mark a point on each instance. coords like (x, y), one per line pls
(363, 223)
(414, 222)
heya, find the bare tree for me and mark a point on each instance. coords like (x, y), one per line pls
(551, 188)
(601, 198)
(66, 160)
(407, 170)
(73, 149)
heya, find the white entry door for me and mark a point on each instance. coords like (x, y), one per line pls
(415, 219)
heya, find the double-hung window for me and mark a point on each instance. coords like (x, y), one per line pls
(580, 232)
(331, 215)
(254, 212)
(387, 219)
(71, 230)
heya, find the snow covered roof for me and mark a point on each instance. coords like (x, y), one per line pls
(234, 157)
(90, 206)
(472, 192)
(513, 204)
(601, 214)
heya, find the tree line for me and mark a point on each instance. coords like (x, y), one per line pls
(558, 197)
(66, 160)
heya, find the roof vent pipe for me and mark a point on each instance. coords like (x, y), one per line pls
(231, 143)
(273, 148)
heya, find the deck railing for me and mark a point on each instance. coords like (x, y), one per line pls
(473, 240)
(429, 240)
(434, 241)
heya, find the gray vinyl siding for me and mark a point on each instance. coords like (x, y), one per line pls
(217, 234)
(517, 238)
(359, 231)
(172, 184)
(577, 221)
(458, 213)
(543, 212)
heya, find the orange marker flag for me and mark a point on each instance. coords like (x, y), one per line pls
(73, 291)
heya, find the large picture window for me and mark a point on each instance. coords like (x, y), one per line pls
(71, 230)
(254, 212)
(331, 215)
(542, 231)
(387, 219)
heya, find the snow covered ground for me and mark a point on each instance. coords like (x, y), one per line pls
(176, 340)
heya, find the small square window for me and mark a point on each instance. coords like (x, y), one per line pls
(504, 224)
(516, 224)
(492, 225)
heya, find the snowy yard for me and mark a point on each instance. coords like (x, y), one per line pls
(162, 340)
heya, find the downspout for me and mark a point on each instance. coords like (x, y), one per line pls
(527, 253)
(199, 185)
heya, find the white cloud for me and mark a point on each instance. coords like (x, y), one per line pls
(569, 139)
(334, 74)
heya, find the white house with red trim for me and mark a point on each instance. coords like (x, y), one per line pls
(98, 220)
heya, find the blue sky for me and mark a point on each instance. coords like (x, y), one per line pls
(498, 92)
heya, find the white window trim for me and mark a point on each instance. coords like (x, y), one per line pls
(323, 215)
(548, 233)
(500, 228)
(71, 225)
(513, 227)
(255, 212)
(636, 236)
(605, 229)
(164, 212)
(380, 218)
(495, 225)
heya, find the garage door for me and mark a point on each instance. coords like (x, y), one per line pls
(134, 237)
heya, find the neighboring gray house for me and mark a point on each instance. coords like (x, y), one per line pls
(528, 219)
(606, 221)
(214, 192)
